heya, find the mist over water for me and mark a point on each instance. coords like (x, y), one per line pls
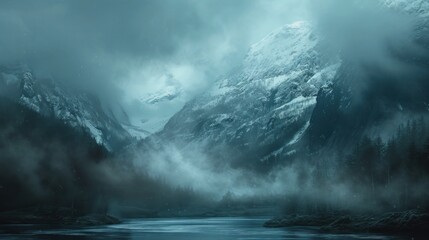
(367, 36)
(170, 109)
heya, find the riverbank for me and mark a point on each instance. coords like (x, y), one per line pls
(56, 216)
(412, 221)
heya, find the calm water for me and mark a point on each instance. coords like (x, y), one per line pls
(189, 229)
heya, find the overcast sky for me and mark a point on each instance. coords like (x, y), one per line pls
(126, 50)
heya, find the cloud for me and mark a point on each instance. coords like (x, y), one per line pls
(122, 50)
(377, 44)
(101, 45)
(363, 30)
(125, 50)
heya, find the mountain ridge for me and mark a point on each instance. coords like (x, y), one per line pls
(76, 109)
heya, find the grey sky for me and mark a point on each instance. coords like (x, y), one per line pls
(124, 49)
(127, 50)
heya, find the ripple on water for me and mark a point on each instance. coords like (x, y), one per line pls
(179, 229)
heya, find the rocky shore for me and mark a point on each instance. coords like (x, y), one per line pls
(55, 216)
(412, 221)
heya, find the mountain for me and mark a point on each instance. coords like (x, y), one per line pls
(52, 99)
(386, 97)
(44, 161)
(167, 94)
(294, 92)
(264, 107)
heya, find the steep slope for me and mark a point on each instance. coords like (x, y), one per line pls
(262, 109)
(293, 91)
(50, 98)
(386, 96)
(44, 161)
(53, 173)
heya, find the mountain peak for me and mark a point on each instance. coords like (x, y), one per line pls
(266, 104)
(280, 50)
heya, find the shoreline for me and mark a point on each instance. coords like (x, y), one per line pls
(405, 222)
(55, 216)
(411, 221)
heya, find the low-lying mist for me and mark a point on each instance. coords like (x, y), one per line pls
(45, 163)
(375, 175)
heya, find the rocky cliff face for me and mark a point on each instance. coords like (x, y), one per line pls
(262, 109)
(293, 93)
(50, 98)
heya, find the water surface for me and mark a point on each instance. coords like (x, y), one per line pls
(177, 228)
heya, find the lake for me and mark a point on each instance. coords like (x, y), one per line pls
(178, 228)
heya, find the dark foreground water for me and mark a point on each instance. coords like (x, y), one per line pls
(182, 229)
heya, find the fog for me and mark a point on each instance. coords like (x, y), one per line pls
(126, 52)
(373, 40)
(123, 51)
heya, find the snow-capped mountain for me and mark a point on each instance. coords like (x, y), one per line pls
(289, 87)
(266, 105)
(50, 98)
(290, 92)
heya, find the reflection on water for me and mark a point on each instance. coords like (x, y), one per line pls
(189, 229)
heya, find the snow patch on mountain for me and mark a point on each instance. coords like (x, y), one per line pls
(168, 93)
(74, 108)
(280, 51)
(299, 134)
(136, 131)
(267, 103)
(419, 7)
